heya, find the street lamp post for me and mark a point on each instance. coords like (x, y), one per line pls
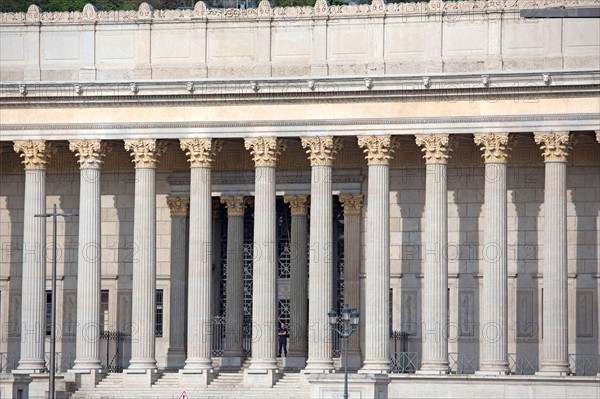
(349, 320)
(54, 215)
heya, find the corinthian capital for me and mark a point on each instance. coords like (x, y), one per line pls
(235, 205)
(35, 154)
(379, 149)
(298, 204)
(265, 151)
(201, 152)
(321, 150)
(178, 205)
(145, 153)
(352, 203)
(89, 152)
(494, 146)
(436, 147)
(555, 145)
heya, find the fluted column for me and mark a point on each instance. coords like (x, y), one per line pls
(298, 280)
(352, 204)
(321, 151)
(265, 152)
(201, 153)
(554, 356)
(435, 266)
(378, 150)
(234, 307)
(145, 155)
(35, 156)
(89, 262)
(179, 207)
(494, 331)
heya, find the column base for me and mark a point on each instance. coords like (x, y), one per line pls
(80, 378)
(142, 378)
(554, 369)
(375, 367)
(553, 373)
(195, 378)
(264, 378)
(31, 367)
(433, 369)
(319, 367)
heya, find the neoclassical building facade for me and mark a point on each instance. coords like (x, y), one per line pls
(435, 166)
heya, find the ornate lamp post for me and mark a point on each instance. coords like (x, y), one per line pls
(350, 318)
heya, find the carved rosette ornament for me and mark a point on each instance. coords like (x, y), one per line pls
(235, 205)
(352, 203)
(201, 152)
(379, 149)
(495, 146)
(179, 206)
(89, 152)
(436, 147)
(145, 153)
(298, 204)
(35, 153)
(555, 145)
(321, 150)
(265, 151)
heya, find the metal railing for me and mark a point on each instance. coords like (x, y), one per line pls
(7, 362)
(219, 336)
(111, 348)
(522, 364)
(461, 363)
(584, 364)
(62, 361)
(404, 362)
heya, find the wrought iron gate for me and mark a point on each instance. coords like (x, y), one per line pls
(111, 346)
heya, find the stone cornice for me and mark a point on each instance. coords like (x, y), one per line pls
(90, 153)
(201, 152)
(298, 204)
(516, 86)
(321, 150)
(178, 205)
(35, 153)
(235, 205)
(264, 11)
(265, 151)
(145, 153)
(351, 203)
(494, 146)
(555, 146)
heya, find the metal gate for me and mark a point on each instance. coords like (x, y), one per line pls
(111, 348)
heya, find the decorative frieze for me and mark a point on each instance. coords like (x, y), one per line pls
(321, 150)
(298, 204)
(235, 205)
(145, 153)
(201, 152)
(35, 153)
(91, 153)
(555, 146)
(379, 149)
(265, 151)
(179, 206)
(495, 146)
(352, 203)
(437, 147)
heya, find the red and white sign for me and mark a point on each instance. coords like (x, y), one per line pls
(184, 395)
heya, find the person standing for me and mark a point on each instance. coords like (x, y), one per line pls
(282, 335)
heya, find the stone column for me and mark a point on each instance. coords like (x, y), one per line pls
(298, 345)
(142, 365)
(263, 367)
(35, 156)
(379, 150)
(198, 365)
(352, 204)
(179, 207)
(554, 356)
(216, 256)
(435, 267)
(321, 151)
(89, 272)
(494, 329)
(234, 306)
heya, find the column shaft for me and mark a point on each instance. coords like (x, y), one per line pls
(33, 302)
(320, 287)
(144, 271)
(298, 286)
(89, 276)
(235, 286)
(200, 271)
